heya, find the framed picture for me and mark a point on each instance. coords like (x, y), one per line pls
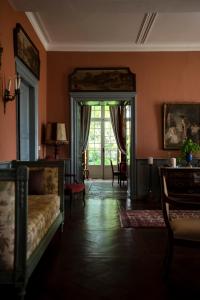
(180, 121)
(102, 79)
(26, 51)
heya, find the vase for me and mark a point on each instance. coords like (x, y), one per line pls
(188, 158)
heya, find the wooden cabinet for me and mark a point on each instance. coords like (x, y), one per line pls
(182, 180)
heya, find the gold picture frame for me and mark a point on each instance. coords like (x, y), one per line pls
(180, 121)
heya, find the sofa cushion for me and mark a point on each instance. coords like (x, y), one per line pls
(36, 182)
(42, 211)
(51, 181)
(7, 224)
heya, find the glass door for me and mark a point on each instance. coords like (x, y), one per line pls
(102, 146)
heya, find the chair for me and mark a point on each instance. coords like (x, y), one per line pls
(114, 173)
(74, 188)
(122, 172)
(184, 229)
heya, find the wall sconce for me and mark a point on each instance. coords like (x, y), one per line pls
(56, 136)
(7, 94)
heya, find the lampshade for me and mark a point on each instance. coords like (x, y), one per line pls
(56, 133)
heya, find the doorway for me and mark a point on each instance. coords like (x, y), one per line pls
(102, 146)
(27, 114)
(115, 86)
(103, 98)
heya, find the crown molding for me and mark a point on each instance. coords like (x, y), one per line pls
(122, 48)
(39, 28)
(140, 46)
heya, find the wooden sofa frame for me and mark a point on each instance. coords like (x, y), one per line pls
(23, 267)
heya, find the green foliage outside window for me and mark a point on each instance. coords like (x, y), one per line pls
(100, 116)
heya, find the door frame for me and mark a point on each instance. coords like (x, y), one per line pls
(32, 83)
(76, 100)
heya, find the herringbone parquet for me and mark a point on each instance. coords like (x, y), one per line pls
(95, 259)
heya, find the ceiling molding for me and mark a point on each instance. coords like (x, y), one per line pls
(145, 28)
(39, 28)
(140, 46)
(122, 48)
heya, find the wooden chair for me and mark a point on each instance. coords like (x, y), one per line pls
(122, 172)
(74, 188)
(114, 173)
(183, 230)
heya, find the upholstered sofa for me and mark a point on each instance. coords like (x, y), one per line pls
(31, 211)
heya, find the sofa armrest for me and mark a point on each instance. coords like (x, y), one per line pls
(13, 217)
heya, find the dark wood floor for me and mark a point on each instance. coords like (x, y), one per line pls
(94, 258)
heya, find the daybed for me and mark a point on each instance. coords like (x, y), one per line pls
(28, 222)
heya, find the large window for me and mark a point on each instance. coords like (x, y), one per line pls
(101, 145)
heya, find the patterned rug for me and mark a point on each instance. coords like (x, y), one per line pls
(150, 218)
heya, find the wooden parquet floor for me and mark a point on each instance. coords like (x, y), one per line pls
(95, 259)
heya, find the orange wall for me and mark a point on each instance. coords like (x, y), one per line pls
(160, 77)
(8, 19)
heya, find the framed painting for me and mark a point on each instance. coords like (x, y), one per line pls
(102, 80)
(26, 51)
(180, 121)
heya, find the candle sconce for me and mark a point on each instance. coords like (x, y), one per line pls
(7, 94)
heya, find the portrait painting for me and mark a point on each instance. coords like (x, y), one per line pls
(180, 121)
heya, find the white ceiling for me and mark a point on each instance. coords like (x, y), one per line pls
(115, 25)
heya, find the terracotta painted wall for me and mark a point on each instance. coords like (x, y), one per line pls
(8, 19)
(160, 77)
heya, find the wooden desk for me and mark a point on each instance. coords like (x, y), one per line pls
(182, 180)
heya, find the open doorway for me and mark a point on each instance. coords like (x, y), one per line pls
(27, 114)
(102, 86)
(103, 99)
(101, 147)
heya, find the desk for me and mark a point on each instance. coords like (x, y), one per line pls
(182, 180)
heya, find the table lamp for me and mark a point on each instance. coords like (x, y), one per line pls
(56, 136)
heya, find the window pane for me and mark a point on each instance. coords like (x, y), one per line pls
(94, 157)
(107, 112)
(111, 150)
(96, 112)
(94, 142)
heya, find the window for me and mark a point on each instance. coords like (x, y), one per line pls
(101, 144)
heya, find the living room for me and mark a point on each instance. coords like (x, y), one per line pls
(161, 77)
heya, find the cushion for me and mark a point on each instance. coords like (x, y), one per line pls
(51, 180)
(36, 182)
(42, 211)
(74, 187)
(7, 225)
(186, 228)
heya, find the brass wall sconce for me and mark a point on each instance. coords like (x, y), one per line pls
(7, 93)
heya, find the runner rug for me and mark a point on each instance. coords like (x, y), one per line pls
(150, 218)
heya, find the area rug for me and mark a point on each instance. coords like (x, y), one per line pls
(141, 218)
(150, 218)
